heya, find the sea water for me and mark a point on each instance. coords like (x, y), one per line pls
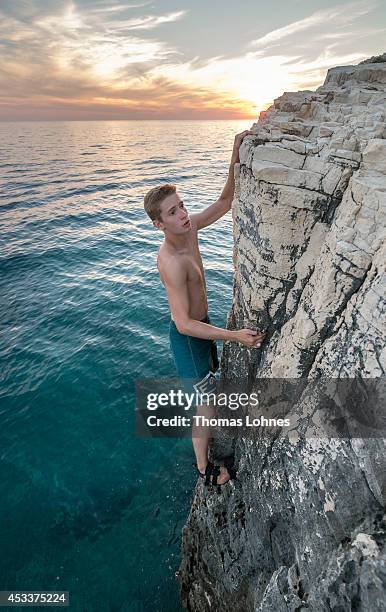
(85, 505)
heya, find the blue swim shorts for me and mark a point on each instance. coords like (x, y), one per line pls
(196, 360)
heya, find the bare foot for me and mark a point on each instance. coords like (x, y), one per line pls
(224, 476)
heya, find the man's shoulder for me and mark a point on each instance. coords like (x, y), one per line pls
(170, 264)
(172, 261)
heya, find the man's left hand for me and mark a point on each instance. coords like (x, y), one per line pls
(236, 145)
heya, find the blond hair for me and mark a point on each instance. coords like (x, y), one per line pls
(153, 199)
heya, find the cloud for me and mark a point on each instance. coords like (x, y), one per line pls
(82, 63)
(352, 34)
(72, 19)
(337, 16)
(104, 61)
(148, 22)
(257, 80)
(117, 8)
(309, 74)
(80, 45)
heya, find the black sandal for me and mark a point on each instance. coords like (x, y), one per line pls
(212, 472)
(229, 463)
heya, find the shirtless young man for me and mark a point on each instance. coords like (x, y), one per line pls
(192, 337)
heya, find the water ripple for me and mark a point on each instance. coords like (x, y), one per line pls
(83, 314)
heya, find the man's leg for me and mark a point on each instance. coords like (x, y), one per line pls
(201, 435)
(191, 358)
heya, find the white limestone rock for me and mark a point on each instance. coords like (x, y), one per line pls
(303, 526)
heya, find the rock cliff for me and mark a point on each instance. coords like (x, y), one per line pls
(303, 527)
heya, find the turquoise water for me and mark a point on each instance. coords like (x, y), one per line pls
(85, 505)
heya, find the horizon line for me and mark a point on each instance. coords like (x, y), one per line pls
(145, 119)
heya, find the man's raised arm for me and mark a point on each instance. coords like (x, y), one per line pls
(217, 210)
(175, 279)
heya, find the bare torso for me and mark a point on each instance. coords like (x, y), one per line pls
(190, 259)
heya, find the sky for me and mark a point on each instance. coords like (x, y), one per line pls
(174, 59)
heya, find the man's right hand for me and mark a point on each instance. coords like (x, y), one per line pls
(249, 338)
